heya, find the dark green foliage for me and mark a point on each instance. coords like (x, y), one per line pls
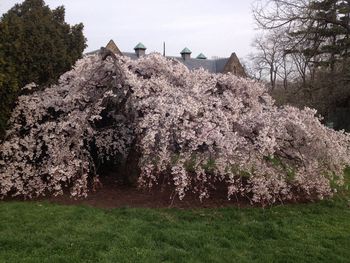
(37, 45)
(8, 91)
(325, 36)
(329, 34)
(317, 49)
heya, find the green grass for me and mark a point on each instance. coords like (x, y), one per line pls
(43, 232)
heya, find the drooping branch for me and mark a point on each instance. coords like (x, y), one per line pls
(191, 128)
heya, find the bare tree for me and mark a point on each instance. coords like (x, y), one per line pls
(291, 14)
(271, 59)
(312, 61)
(286, 71)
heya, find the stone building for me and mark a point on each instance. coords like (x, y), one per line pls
(217, 65)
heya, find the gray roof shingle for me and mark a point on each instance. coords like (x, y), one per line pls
(220, 64)
(131, 55)
(211, 65)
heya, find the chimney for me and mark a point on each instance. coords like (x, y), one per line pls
(186, 53)
(140, 50)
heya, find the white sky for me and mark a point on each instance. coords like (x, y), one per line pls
(216, 28)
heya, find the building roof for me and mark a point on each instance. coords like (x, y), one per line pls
(186, 51)
(201, 56)
(131, 55)
(140, 46)
(212, 65)
(216, 65)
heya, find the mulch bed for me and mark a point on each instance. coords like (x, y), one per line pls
(114, 194)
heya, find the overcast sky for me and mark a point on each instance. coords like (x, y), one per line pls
(216, 28)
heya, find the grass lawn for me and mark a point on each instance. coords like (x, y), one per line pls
(43, 232)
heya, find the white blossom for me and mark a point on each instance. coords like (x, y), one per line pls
(192, 128)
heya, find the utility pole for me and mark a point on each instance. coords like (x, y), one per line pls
(164, 48)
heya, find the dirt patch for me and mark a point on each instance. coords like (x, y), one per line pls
(113, 194)
(116, 194)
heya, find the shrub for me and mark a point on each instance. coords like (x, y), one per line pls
(193, 129)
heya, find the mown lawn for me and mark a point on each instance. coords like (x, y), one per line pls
(43, 232)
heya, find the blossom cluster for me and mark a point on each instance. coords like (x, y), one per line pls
(192, 130)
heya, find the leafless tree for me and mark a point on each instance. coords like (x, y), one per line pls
(270, 57)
